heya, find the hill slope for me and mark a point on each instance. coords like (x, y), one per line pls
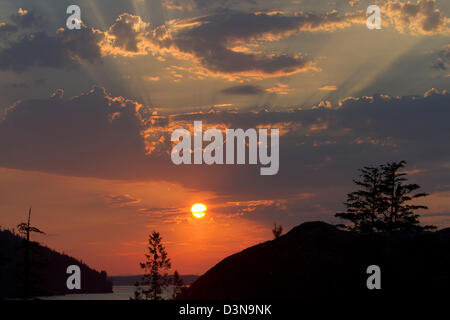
(131, 280)
(48, 270)
(317, 260)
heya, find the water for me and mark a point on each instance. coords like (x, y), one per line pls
(119, 293)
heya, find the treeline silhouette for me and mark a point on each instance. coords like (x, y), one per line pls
(385, 201)
(47, 270)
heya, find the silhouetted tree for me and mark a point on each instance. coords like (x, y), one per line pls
(365, 205)
(383, 202)
(277, 231)
(177, 284)
(156, 266)
(399, 213)
(25, 229)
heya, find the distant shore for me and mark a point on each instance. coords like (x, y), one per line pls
(120, 292)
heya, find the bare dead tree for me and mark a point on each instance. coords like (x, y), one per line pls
(25, 229)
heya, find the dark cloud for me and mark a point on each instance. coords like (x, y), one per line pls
(243, 90)
(26, 85)
(251, 5)
(443, 60)
(122, 200)
(82, 44)
(67, 48)
(6, 29)
(126, 34)
(422, 17)
(60, 51)
(93, 130)
(98, 135)
(216, 5)
(20, 20)
(37, 49)
(26, 19)
(212, 38)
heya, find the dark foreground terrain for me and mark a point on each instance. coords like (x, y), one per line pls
(317, 260)
(47, 270)
(132, 279)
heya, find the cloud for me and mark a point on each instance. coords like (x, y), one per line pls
(189, 5)
(26, 19)
(150, 78)
(211, 40)
(328, 88)
(22, 19)
(126, 36)
(37, 49)
(91, 131)
(27, 85)
(63, 50)
(247, 5)
(223, 43)
(443, 60)
(422, 17)
(67, 48)
(82, 44)
(324, 146)
(124, 200)
(179, 4)
(280, 88)
(243, 90)
(99, 135)
(7, 28)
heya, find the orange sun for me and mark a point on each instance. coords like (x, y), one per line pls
(198, 210)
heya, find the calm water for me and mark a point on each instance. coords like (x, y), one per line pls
(120, 293)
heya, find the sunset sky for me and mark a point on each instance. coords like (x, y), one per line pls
(86, 117)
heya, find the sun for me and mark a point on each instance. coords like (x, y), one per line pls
(198, 210)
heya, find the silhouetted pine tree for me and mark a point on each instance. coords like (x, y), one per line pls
(177, 284)
(365, 205)
(399, 213)
(383, 202)
(156, 266)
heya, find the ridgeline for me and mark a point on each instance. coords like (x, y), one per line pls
(47, 270)
(317, 260)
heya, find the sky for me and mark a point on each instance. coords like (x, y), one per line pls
(86, 117)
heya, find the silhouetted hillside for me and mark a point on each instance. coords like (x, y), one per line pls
(317, 260)
(48, 270)
(132, 279)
